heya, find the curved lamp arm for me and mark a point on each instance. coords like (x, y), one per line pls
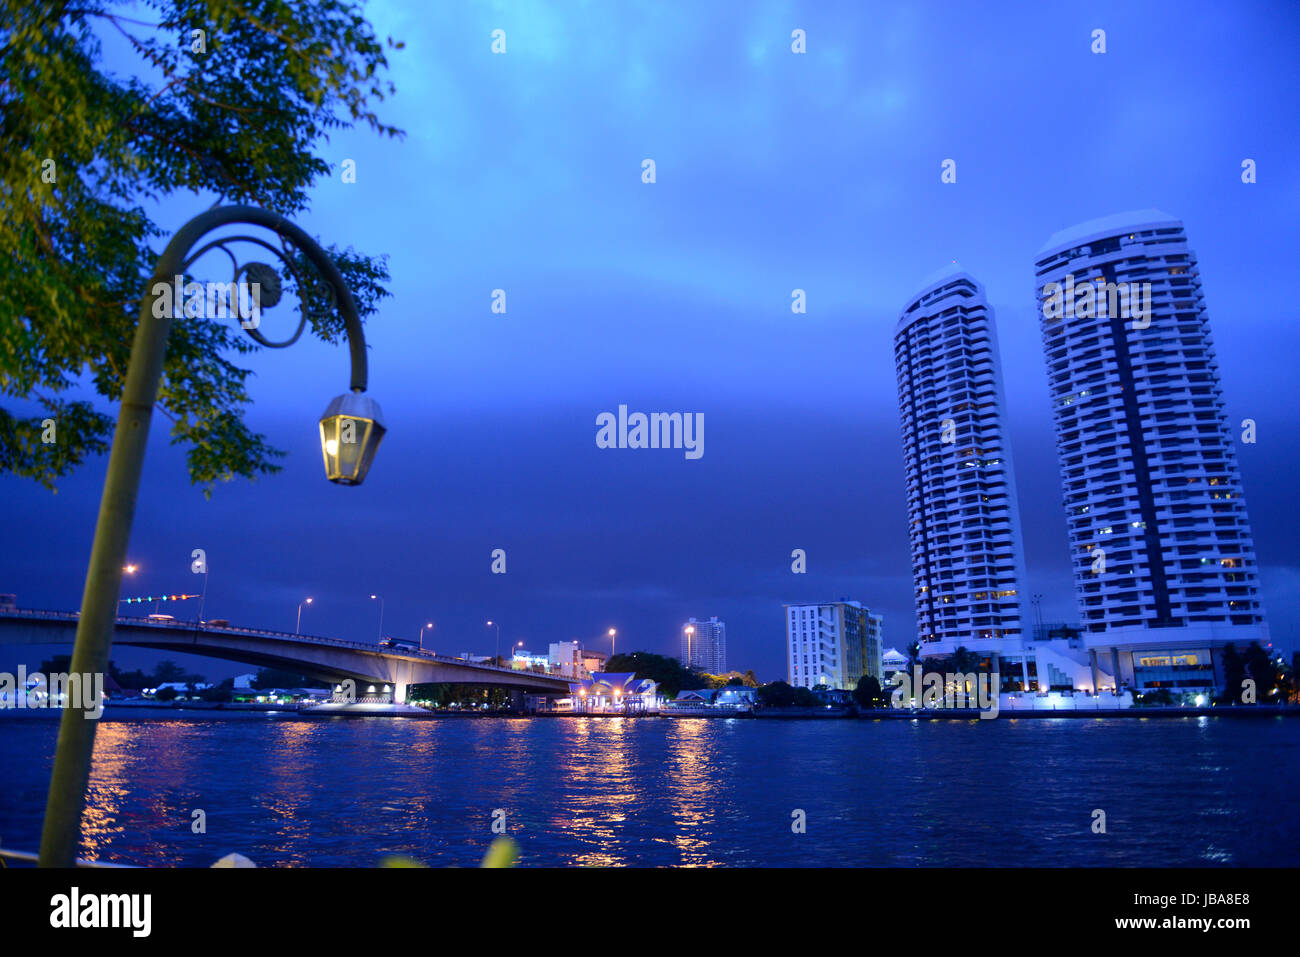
(173, 261)
(61, 832)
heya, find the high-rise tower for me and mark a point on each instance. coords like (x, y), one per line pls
(1164, 561)
(704, 645)
(963, 515)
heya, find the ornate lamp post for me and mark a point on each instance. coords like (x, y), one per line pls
(354, 424)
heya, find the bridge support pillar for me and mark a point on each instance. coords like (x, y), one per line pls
(399, 692)
(516, 700)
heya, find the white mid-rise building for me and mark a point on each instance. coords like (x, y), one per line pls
(566, 658)
(962, 510)
(1164, 561)
(832, 644)
(704, 645)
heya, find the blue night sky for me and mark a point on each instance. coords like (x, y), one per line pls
(775, 171)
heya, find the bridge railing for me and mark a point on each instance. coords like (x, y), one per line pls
(196, 627)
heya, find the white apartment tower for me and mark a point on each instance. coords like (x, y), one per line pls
(704, 645)
(962, 510)
(832, 644)
(1164, 562)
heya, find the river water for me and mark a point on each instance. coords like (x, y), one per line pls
(658, 792)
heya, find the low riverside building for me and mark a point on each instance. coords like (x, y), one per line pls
(833, 697)
(619, 693)
(696, 702)
(891, 662)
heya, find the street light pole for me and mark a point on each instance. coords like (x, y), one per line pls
(381, 614)
(690, 630)
(204, 596)
(130, 570)
(429, 625)
(612, 633)
(297, 630)
(61, 833)
(497, 659)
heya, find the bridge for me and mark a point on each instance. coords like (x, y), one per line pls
(329, 659)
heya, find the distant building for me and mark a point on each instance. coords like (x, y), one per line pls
(526, 660)
(565, 657)
(245, 681)
(181, 687)
(593, 661)
(704, 645)
(832, 644)
(891, 662)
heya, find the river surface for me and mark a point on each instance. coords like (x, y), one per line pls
(658, 792)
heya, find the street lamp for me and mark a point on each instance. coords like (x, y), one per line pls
(350, 432)
(62, 829)
(429, 625)
(612, 633)
(298, 628)
(130, 570)
(690, 630)
(498, 627)
(380, 599)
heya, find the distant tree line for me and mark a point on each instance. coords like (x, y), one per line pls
(779, 694)
(672, 676)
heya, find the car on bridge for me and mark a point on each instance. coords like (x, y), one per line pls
(398, 644)
(162, 617)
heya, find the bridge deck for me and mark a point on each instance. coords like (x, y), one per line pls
(137, 627)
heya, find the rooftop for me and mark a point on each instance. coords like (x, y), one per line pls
(940, 277)
(1106, 226)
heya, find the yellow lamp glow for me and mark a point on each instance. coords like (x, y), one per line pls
(350, 432)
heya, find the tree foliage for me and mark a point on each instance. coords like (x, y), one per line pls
(776, 694)
(669, 673)
(236, 113)
(867, 693)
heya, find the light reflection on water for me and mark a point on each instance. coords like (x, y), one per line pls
(620, 791)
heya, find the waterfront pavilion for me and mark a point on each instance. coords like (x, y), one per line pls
(614, 693)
